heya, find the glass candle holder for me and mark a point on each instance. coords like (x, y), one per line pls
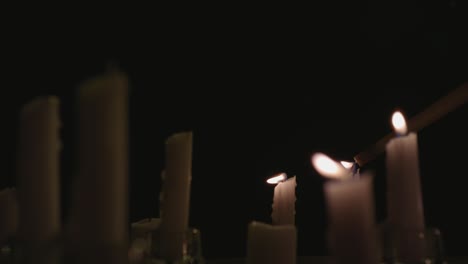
(190, 251)
(404, 246)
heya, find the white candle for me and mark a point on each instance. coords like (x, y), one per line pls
(404, 199)
(175, 205)
(145, 226)
(38, 171)
(352, 167)
(271, 244)
(141, 238)
(350, 205)
(100, 206)
(8, 215)
(284, 201)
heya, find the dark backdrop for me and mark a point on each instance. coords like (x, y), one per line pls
(262, 90)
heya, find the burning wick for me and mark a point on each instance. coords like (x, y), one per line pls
(277, 179)
(329, 168)
(347, 164)
(353, 167)
(399, 123)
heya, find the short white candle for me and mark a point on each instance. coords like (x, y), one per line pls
(38, 171)
(271, 244)
(141, 238)
(175, 204)
(99, 215)
(404, 198)
(284, 201)
(350, 205)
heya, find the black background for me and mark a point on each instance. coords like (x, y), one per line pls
(262, 88)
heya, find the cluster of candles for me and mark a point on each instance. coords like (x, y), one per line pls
(353, 234)
(99, 210)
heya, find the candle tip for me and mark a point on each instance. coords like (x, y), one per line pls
(277, 178)
(399, 123)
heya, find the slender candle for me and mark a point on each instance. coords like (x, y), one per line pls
(404, 199)
(38, 171)
(284, 200)
(350, 204)
(8, 215)
(175, 204)
(100, 207)
(271, 244)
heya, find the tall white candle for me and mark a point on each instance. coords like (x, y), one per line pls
(8, 215)
(350, 205)
(284, 202)
(100, 206)
(272, 244)
(38, 171)
(404, 198)
(175, 204)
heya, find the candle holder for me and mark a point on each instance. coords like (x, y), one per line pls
(190, 252)
(404, 246)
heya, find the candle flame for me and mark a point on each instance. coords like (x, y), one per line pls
(399, 123)
(347, 164)
(327, 167)
(277, 178)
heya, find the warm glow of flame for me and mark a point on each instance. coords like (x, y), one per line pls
(328, 167)
(276, 179)
(399, 123)
(347, 164)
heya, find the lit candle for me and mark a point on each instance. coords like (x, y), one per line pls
(175, 204)
(404, 200)
(272, 244)
(8, 215)
(38, 171)
(350, 204)
(100, 207)
(284, 200)
(352, 167)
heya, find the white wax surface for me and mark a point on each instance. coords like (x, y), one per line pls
(284, 202)
(405, 211)
(100, 206)
(38, 171)
(352, 230)
(145, 226)
(175, 204)
(404, 200)
(271, 244)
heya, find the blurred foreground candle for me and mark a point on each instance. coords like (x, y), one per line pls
(175, 204)
(38, 172)
(404, 199)
(271, 244)
(99, 213)
(284, 200)
(8, 215)
(350, 205)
